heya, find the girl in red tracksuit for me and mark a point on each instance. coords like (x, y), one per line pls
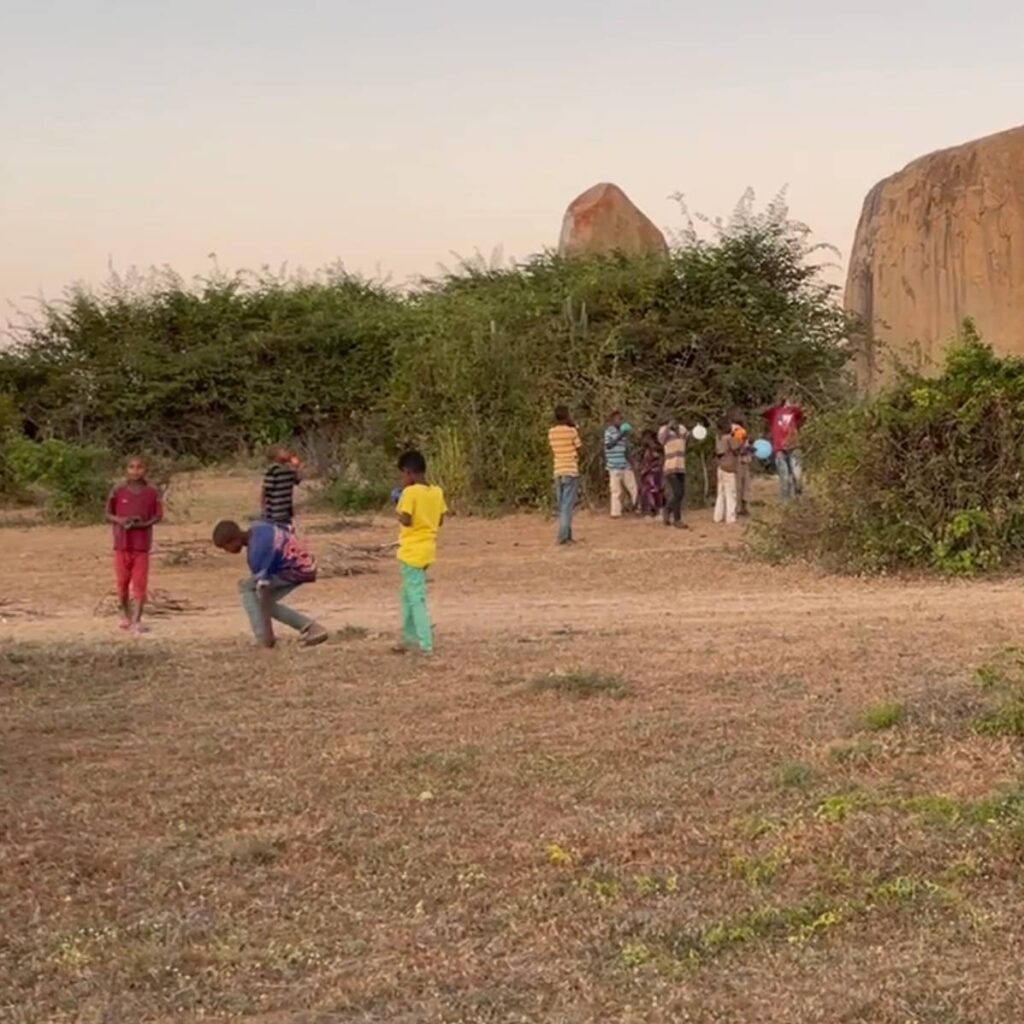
(133, 509)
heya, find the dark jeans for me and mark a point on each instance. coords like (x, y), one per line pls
(791, 476)
(675, 486)
(565, 500)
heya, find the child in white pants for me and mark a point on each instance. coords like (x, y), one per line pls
(727, 456)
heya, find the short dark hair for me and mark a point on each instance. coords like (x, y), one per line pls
(226, 531)
(562, 414)
(412, 461)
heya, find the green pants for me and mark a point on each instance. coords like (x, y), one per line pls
(416, 629)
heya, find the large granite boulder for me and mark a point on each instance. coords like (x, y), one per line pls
(603, 219)
(941, 240)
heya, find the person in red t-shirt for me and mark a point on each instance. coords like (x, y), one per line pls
(133, 509)
(784, 422)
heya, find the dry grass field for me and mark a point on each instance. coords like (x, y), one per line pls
(645, 779)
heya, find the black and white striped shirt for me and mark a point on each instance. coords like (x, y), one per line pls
(278, 484)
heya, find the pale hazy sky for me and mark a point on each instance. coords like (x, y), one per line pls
(389, 134)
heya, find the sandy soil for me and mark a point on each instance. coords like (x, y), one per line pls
(503, 577)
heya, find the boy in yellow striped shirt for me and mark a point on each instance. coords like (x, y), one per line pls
(565, 443)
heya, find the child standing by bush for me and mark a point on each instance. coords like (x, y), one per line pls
(784, 422)
(672, 438)
(727, 458)
(421, 511)
(652, 478)
(564, 441)
(744, 463)
(616, 460)
(133, 509)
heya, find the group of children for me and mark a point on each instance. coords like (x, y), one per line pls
(653, 476)
(278, 561)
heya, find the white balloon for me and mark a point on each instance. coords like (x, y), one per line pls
(700, 432)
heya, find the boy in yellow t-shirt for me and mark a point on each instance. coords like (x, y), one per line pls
(421, 511)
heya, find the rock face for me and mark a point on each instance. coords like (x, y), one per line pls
(941, 240)
(603, 219)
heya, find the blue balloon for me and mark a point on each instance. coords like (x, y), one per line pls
(763, 448)
(395, 495)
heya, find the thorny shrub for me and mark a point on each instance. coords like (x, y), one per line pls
(927, 475)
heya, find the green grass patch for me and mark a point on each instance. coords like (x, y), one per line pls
(1002, 677)
(860, 753)
(759, 871)
(795, 775)
(581, 685)
(348, 633)
(883, 716)
(1005, 720)
(443, 764)
(346, 496)
(797, 924)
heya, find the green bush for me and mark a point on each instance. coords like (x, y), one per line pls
(72, 476)
(353, 496)
(720, 323)
(930, 474)
(467, 367)
(206, 369)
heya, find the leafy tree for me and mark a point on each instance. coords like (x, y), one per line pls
(468, 365)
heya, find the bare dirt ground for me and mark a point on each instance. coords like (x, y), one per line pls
(645, 779)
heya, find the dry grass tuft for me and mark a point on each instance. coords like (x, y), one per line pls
(581, 684)
(340, 525)
(352, 559)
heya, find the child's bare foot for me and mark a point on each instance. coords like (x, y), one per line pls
(125, 624)
(138, 629)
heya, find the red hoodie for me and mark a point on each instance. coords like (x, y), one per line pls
(784, 422)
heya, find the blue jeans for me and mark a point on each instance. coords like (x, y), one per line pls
(791, 474)
(565, 501)
(279, 590)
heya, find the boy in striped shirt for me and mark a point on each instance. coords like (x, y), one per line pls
(279, 483)
(616, 459)
(564, 440)
(672, 438)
